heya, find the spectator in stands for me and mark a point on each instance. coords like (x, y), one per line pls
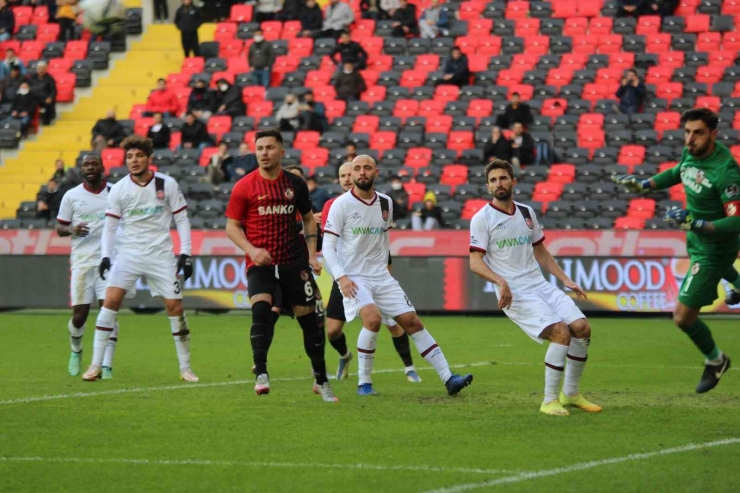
(498, 147)
(194, 133)
(243, 163)
(317, 195)
(221, 161)
(59, 171)
(44, 88)
(11, 60)
(292, 10)
(349, 51)
(188, 19)
(159, 133)
(202, 100)
(434, 21)
(350, 153)
(261, 57)
(456, 69)
(311, 18)
(107, 132)
(9, 86)
(48, 201)
(229, 99)
(515, 112)
(522, 147)
(631, 93)
(296, 170)
(287, 114)
(349, 85)
(404, 20)
(430, 216)
(267, 10)
(628, 8)
(400, 198)
(338, 16)
(312, 114)
(161, 11)
(67, 17)
(24, 106)
(162, 100)
(7, 21)
(663, 8)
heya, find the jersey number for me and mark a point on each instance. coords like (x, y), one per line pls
(177, 287)
(308, 289)
(408, 302)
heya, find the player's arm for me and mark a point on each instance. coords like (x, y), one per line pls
(543, 257)
(236, 234)
(666, 179)
(332, 229)
(64, 221)
(179, 206)
(310, 231)
(480, 268)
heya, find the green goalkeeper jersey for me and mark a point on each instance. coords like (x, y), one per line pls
(712, 188)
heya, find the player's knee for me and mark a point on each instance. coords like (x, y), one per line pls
(174, 308)
(559, 334)
(261, 313)
(80, 314)
(372, 322)
(333, 328)
(581, 329)
(682, 319)
(412, 325)
(395, 330)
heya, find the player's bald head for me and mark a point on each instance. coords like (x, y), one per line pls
(345, 168)
(363, 159)
(344, 175)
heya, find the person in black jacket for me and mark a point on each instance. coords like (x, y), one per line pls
(107, 132)
(631, 93)
(522, 147)
(349, 84)
(159, 133)
(242, 164)
(44, 88)
(202, 100)
(515, 112)
(312, 18)
(188, 19)
(194, 133)
(9, 85)
(24, 106)
(49, 200)
(400, 199)
(291, 10)
(498, 147)
(229, 100)
(349, 51)
(7, 21)
(404, 20)
(456, 69)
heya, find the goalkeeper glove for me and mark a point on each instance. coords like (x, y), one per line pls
(104, 267)
(185, 264)
(684, 220)
(631, 183)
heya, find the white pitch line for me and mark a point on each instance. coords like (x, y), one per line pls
(526, 476)
(196, 462)
(29, 400)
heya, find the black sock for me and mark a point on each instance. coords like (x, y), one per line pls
(275, 317)
(340, 344)
(403, 348)
(261, 335)
(313, 343)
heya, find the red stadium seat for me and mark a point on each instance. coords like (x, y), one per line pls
(372, 44)
(315, 158)
(710, 102)
(524, 61)
(707, 42)
(439, 124)
(259, 109)
(593, 92)
(291, 30)
(31, 50)
(182, 94)
(137, 111)
(576, 61)
(241, 13)
(427, 63)
(300, 47)
(709, 74)
(253, 94)
(480, 108)
(591, 138)
(648, 24)
(141, 126)
(575, 26)
(431, 108)
(364, 27)
(381, 63)
(547, 191)
(666, 166)
(600, 26)
(219, 125)
(673, 59)
(413, 78)
(374, 94)
(306, 139)
(629, 223)
(480, 27)
(366, 124)
(527, 27)
(406, 108)
(610, 43)
(471, 207)
(224, 31)
(631, 155)
(467, 44)
(508, 77)
(536, 45)
(47, 33)
(669, 91)
(418, 157)
(698, 23)
(731, 41)
(325, 94)
(112, 157)
(371, 77)
(192, 65)
(40, 15)
(65, 87)
(61, 65)
(563, 9)
(470, 11)
(446, 92)
(585, 44)
(415, 190)
(609, 75)
(687, 7)
(272, 30)
(525, 91)
(517, 10)
(559, 77)
(729, 7)
(459, 140)
(641, 208)
(554, 107)
(592, 120)
(382, 141)
(454, 174)
(622, 61)
(658, 43)
(230, 48)
(23, 15)
(722, 59)
(658, 75)
(592, 8)
(489, 46)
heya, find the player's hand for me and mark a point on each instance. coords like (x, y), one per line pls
(632, 183)
(580, 294)
(81, 230)
(260, 256)
(104, 267)
(185, 264)
(347, 287)
(680, 217)
(505, 297)
(315, 265)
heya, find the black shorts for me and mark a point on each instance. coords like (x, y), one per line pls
(277, 302)
(335, 307)
(296, 283)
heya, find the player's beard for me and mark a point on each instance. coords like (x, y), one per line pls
(94, 181)
(365, 186)
(503, 194)
(701, 151)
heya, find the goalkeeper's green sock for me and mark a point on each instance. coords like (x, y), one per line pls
(701, 336)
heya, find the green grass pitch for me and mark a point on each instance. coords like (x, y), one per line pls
(145, 431)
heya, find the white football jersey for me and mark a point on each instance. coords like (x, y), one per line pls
(82, 205)
(145, 213)
(507, 239)
(362, 228)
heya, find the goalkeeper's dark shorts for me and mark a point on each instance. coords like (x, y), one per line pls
(701, 285)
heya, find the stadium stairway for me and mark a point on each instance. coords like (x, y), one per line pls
(156, 54)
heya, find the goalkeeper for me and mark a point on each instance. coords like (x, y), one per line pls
(711, 178)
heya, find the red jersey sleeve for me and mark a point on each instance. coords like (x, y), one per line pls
(325, 212)
(302, 202)
(239, 201)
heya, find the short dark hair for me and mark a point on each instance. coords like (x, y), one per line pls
(706, 115)
(500, 164)
(295, 167)
(93, 155)
(269, 133)
(312, 178)
(189, 113)
(455, 48)
(344, 33)
(138, 142)
(161, 80)
(515, 94)
(634, 71)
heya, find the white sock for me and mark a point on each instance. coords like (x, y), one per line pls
(110, 348)
(430, 351)
(577, 355)
(181, 333)
(554, 366)
(75, 336)
(409, 368)
(104, 326)
(717, 361)
(366, 355)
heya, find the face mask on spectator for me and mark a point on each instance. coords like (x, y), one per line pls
(259, 39)
(347, 71)
(223, 87)
(396, 186)
(23, 91)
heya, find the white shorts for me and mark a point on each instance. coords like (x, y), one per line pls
(161, 275)
(536, 309)
(86, 286)
(385, 293)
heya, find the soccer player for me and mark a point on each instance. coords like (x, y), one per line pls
(142, 206)
(711, 179)
(261, 221)
(506, 246)
(81, 216)
(335, 318)
(356, 248)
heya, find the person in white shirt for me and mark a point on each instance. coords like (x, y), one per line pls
(361, 219)
(81, 216)
(142, 205)
(507, 249)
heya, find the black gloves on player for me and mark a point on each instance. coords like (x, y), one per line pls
(185, 264)
(104, 267)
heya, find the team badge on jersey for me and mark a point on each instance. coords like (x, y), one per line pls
(385, 215)
(529, 223)
(699, 177)
(160, 194)
(288, 193)
(694, 269)
(731, 191)
(304, 275)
